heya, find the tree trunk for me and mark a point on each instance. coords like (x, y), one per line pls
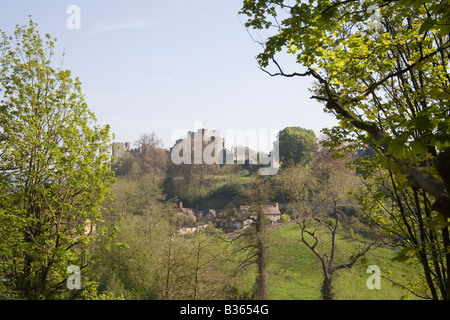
(169, 267)
(442, 162)
(261, 284)
(196, 271)
(327, 287)
(446, 240)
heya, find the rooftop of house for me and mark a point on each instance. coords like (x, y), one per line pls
(212, 211)
(267, 209)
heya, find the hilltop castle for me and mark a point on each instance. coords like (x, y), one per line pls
(203, 137)
(119, 149)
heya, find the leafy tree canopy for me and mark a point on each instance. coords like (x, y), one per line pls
(297, 146)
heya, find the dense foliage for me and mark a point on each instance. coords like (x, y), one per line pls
(54, 170)
(382, 69)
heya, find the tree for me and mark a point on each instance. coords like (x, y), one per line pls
(147, 258)
(232, 170)
(252, 246)
(388, 85)
(297, 146)
(141, 260)
(169, 187)
(295, 185)
(333, 182)
(314, 197)
(406, 217)
(150, 258)
(54, 169)
(208, 279)
(151, 157)
(148, 158)
(328, 259)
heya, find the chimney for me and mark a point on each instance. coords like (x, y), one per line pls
(276, 204)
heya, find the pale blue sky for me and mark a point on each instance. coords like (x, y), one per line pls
(162, 65)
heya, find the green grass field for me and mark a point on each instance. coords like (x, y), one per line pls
(295, 273)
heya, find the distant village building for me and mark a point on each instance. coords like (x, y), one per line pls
(188, 216)
(210, 216)
(271, 212)
(227, 221)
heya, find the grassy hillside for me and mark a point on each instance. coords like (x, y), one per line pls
(295, 272)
